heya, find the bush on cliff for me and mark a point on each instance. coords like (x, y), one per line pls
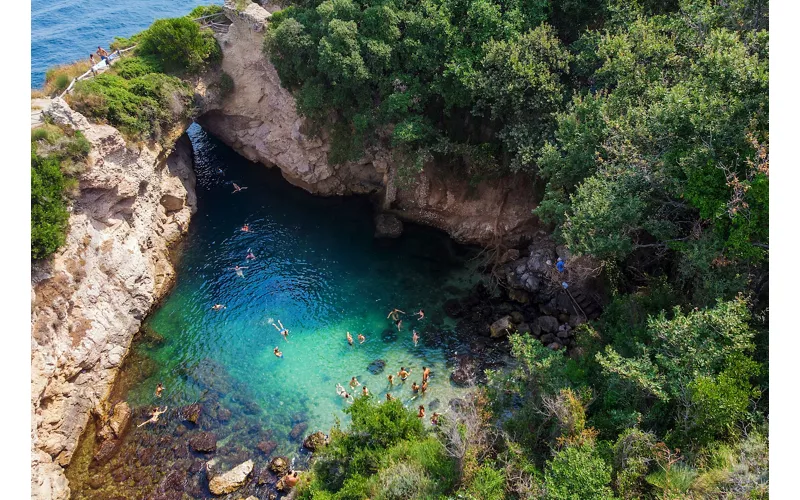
(179, 45)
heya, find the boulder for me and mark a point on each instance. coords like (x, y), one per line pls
(315, 441)
(279, 465)
(548, 324)
(267, 447)
(191, 413)
(120, 419)
(524, 328)
(231, 480)
(547, 338)
(203, 442)
(464, 374)
(298, 430)
(517, 317)
(509, 256)
(554, 346)
(501, 327)
(224, 414)
(387, 226)
(180, 430)
(520, 296)
(105, 451)
(376, 367)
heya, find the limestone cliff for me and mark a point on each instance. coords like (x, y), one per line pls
(90, 299)
(259, 120)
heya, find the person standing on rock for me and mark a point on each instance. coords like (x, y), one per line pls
(153, 416)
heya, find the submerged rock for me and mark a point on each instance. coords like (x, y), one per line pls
(267, 447)
(279, 465)
(203, 442)
(224, 414)
(231, 480)
(387, 226)
(315, 441)
(376, 367)
(464, 374)
(105, 451)
(298, 430)
(191, 413)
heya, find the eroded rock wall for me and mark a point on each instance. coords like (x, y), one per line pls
(89, 301)
(260, 121)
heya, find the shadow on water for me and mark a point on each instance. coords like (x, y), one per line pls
(319, 271)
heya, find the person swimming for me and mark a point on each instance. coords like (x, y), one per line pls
(349, 338)
(403, 373)
(236, 188)
(159, 389)
(394, 314)
(238, 270)
(354, 383)
(153, 416)
(364, 391)
(282, 330)
(426, 372)
(220, 171)
(435, 418)
(340, 390)
(277, 352)
(399, 324)
(389, 397)
(217, 307)
(391, 380)
(414, 388)
(415, 338)
(421, 413)
(250, 255)
(361, 338)
(421, 314)
(246, 228)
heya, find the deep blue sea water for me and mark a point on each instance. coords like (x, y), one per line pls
(63, 31)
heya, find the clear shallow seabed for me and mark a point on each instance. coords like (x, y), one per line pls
(64, 31)
(319, 271)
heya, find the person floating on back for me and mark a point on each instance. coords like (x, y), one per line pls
(236, 188)
(154, 416)
(238, 270)
(217, 307)
(277, 352)
(282, 330)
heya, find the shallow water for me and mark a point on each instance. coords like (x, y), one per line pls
(319, 271)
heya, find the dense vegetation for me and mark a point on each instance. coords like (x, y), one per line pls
(56, 156)
(645, 125)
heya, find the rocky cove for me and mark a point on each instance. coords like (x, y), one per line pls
(135, 204)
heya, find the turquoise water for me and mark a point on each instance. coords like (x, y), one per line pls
(319, 271)
(63, 31)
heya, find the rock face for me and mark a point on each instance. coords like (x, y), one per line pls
(260, 121)
(90, 298)
(388, 226)
(231, 480)
(315, 441)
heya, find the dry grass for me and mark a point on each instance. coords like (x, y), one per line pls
(57, 79)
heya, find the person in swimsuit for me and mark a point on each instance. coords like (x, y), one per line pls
(361, 338)
(394, 314)
(103, 55)
(217, 307)
(389, 397)
(236, 188)
(277, 352)
(415, 338)
(364, 391)
(238, 270)
(246, 228)
(282, 330)
(421, 413)
(349, 338)
(421, 314)
(403, 373)
(435, 418)
(153, 416)
(424, 387)
(354, 383)
(399, 324)
(340, 390)
(426, 372)
(414, 388)
(391, 380)
(159, 389)
(250, 255)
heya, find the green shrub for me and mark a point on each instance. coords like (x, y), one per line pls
(132, 67)
(179, 45)
(402, 481)
(578, 473)
(488, 483)
(49, 213)
(225, 84)
(204, 10)
(380, 425)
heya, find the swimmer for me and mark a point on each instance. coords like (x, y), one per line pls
(403, 373)
(389, 397)
(348, 398)
(435, 418)
(277, 352)
(238, 270)
(159, 389)
(361, 338)
(424, 387)
(217, 307)
(236, 188)
(250, 255)
(393, 314)
(354, 383)
(399, 324)
(282, 330)
(153, 416)
(220, 171)
(365, 391)
(421, 413)
(349, 338)
(421, 314)
(414, 388)
(246, 228)
(340, 390)
(391, 380)
(415, 338)
(426, 372)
